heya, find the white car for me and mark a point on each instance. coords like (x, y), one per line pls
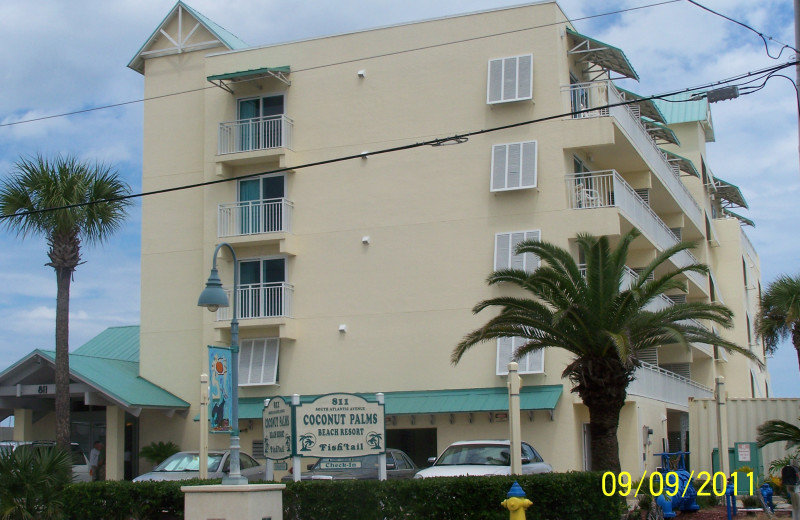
(80, 463)
(186, 465)
(482, 458)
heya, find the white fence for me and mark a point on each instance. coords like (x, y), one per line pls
(260, 300)
(662, 385)
(258, 133)
(254, 217)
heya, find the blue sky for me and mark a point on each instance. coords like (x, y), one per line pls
(62, 57)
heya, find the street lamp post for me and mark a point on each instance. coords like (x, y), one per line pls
(213, 297)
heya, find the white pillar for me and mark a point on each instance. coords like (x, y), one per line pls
(722, 426)
(382, 456)
(23, 424)
(514, 385)
(115, 443)
(296, 460)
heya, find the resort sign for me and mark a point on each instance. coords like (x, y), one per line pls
(277, 420)
(339, 425)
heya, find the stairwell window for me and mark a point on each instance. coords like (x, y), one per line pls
(514, 166)
(510, 79)
(506, 243)
(258, 362)
(531, 363)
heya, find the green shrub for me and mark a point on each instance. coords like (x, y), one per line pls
(554, 496)
(33, 481)
(156, 452)
(751, 502)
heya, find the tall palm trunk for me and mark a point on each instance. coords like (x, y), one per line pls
(64, 278)
(796, 341)
(65, 255)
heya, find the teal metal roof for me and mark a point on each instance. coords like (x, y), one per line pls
(602, 54)
(468, 400)
(227, 38)
(120, 343)
(118, 379)
(681, 108)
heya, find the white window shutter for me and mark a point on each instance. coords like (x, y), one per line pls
(528, 166)
(495, 88)
(510, 79)
(525, 77)
(258, 361)
(514, 166)
(517, 261)
(502, 251)
(499, 167)
(532, 261)
(505, 349)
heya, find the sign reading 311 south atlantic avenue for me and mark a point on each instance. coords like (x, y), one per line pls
(277, 421)
(340, 425)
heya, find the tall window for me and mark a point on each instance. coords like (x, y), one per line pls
(514, 166)
(262, 287)
(510, 79)
(261, 122)
(261, 203)
(258, 361)
(506, 243)
(531, 363)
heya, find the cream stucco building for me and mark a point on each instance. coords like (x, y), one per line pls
(359, 275)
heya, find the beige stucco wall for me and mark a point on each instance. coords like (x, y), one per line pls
(406, 297)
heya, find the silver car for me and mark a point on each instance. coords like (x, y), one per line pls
(480, 458)
(186, 465)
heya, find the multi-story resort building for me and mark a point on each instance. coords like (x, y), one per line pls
(359, 275)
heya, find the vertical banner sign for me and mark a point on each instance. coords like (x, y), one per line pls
(219, 389)
(340, 425)
(277, 420)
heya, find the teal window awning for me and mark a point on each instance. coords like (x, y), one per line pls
(683, 163)
(607, 57)
(647, 108)
(226, 81)
(660, 133)
(468, 400)
(731, 195)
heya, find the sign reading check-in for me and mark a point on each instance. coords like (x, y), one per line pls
(339, 425)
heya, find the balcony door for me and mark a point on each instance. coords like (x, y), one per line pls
(261, 289)
(261, 122)
(261, 204)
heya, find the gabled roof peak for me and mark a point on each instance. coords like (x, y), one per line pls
(184, 30)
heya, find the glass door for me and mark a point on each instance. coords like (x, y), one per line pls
(261, 204)
(261, 287)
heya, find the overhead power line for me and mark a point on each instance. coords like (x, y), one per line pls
(457, 138)
(764, 38)
(363, 58)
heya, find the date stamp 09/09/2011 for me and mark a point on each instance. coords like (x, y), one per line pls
(657, 483)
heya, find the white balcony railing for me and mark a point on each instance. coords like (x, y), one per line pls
(662, 385)
(260, 300)
(254, 217)
(258, 133)
(584, 96)
(606, 189)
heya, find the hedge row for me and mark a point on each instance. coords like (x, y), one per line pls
(554, 496)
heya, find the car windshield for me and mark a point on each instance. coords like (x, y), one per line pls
(367, 462)
(475, 454)
(189, 462)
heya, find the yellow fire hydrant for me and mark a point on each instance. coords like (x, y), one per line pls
(516, 503)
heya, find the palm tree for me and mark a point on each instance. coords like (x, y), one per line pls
(777, 431)
(68, 202)
(602, 324)
(779, 317)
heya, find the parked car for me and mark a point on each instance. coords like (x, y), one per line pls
(365, 467)
(477, 458)
(80, 463)
(186, 464)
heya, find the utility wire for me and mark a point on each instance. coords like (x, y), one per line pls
(374, 56)
(764, 38)
(453, 139)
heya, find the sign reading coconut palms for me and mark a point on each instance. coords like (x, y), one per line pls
(339, 425)
(277, 418)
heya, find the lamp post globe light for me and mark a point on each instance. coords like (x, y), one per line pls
(213, 297)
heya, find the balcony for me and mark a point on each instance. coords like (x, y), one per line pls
(585, 96)
(662, 385)
(259, 133)
(607, 189)
(261, 300)
(255, 217)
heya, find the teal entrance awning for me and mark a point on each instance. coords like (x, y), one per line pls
(469, 400)
(226, 80)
